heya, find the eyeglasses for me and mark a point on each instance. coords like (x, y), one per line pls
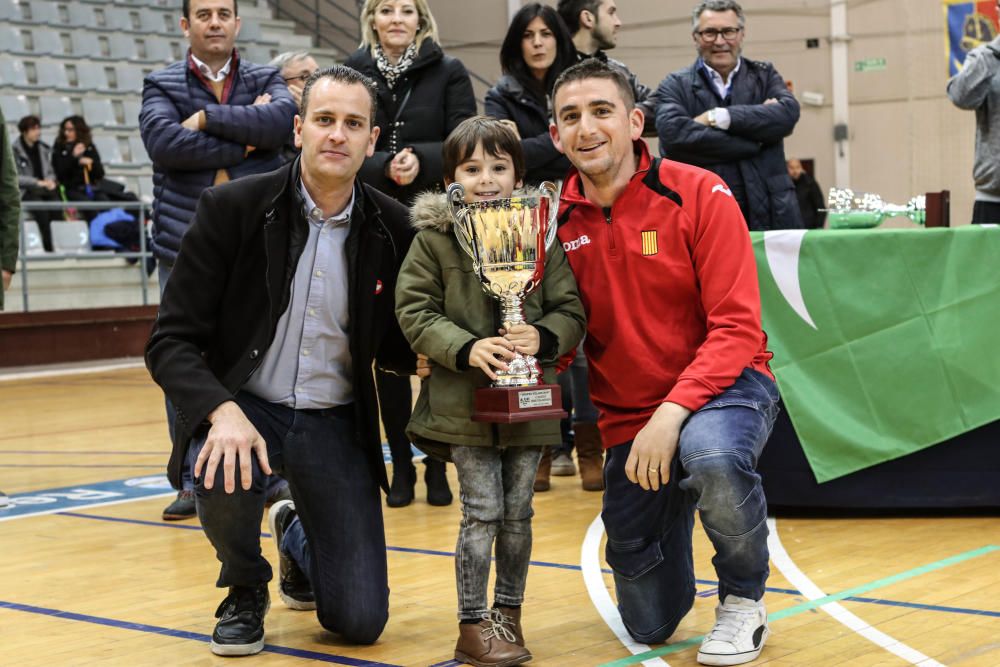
(709, 35)
(300, 77)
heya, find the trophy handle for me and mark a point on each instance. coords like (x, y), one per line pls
(551, 193)
(463, 234)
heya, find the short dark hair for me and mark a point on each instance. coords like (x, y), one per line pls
(186, 9)
(345, 75)
(717, 6)
(495, 137)
(28, 123)
(592, 68)
(570, 10)
(512, 57)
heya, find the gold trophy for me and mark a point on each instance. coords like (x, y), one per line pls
(507, 240)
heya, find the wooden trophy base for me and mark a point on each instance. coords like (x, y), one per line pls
(511, 405)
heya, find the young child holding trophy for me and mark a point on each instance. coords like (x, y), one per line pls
(446, 316)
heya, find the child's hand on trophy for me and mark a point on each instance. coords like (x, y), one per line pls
(524, 337)
(489, 353)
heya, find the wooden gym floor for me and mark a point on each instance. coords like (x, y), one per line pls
(90, 575)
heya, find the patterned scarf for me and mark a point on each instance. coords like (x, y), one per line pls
(392, 72)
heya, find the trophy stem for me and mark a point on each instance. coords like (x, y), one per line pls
(522, 370)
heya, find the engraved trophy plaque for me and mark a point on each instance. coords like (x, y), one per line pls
(507, 240)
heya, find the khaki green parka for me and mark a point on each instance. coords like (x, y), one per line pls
(441, 306)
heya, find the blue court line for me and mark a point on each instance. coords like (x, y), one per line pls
(563, 566)
(184, 634)
(77, 465)
(448, 663)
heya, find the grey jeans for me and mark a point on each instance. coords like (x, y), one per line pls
(496, 491)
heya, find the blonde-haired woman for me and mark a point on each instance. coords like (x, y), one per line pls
(423, 95)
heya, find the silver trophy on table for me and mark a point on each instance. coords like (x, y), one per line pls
(507, 240)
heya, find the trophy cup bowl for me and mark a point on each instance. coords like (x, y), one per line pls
(507, 240)
(864, 210)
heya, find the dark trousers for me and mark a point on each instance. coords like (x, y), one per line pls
(338, 537)
(986, 213)
(395, 399)
(45, 217)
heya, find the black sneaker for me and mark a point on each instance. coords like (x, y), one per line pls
(401, 489)
(293, 586)
(240, 630)
(181, 508)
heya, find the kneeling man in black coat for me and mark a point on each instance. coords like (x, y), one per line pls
(280, 301)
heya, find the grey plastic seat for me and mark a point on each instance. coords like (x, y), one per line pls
(85, 44)
(12, 71)
(46, 41)
(43, 12)
(70, 236)
(52, 75)
(129, 77)
(158, 49)
(98, 112)
(56, 107)
(10, 37)
(92, 76)
(14, 106)
(139, 155)
(123, 47)
(107, 146)
(81, 14)
(131, 109)
(9, 11)
(32, 238)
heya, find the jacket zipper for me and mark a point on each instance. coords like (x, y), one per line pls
(611, 229)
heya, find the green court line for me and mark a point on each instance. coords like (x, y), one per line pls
(813, 604)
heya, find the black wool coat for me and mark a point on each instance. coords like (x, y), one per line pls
(232, 281)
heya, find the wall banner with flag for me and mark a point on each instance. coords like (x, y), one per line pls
(969, 25)
(884, 341)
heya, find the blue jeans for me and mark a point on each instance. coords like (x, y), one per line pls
(649, 532)
(337, 539)
(496, 492)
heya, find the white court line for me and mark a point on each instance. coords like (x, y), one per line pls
(799, 580)
(590, 566)
(74, 508)
(61, 372)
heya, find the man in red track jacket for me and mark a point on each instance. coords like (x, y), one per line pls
(678, 366)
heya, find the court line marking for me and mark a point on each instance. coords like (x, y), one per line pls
(811, 591)
(820, 602)
(185, 634)
(62, 372)
(593, 579)
(59, 510)
(560, 566)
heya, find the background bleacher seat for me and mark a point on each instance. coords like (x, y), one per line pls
(32, 238)
(70, 236)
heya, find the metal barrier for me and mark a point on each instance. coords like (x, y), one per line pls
(141, 256)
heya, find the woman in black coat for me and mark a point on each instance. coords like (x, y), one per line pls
(77, 164)
(536, 50)
(422, 96)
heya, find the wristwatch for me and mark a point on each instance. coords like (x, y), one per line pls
(711, 118)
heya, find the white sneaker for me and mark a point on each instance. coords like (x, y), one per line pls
(4, 500)
(739, 633)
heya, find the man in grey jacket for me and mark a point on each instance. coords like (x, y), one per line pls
(977, 87)
(35, 176)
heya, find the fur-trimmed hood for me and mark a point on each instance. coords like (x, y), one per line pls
(431, 210)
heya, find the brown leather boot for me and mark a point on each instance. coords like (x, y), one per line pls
(511, 617)
(544, 470)
(590, 455)
(489, 644)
